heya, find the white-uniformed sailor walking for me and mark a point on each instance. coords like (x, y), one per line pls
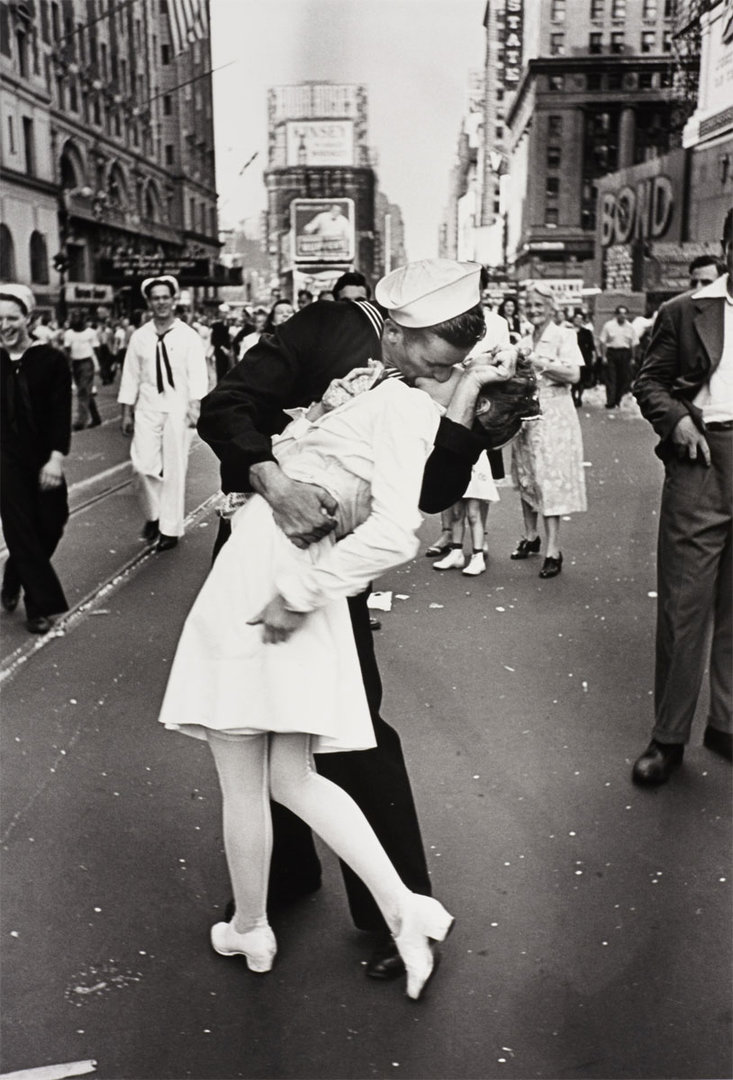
(163, 380)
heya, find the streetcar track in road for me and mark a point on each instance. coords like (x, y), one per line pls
(11, 664)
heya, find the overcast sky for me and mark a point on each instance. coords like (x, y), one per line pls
(413, 56)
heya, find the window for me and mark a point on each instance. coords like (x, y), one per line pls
(192, 213)
(11, 135)
(595, 42)
(5, 30)
(614, 81)
(557, 11)
(646, 80)
(499, 130)
(618, 9)
(554, 127)
(73, 95)
(649, 11)
(7, 255)
(29, 148)
(597, 9)
(22, 43)
(38, 259)
(554, 156)
(165, 54)
(617, 41)
(593, 81)
(96, 111)
(103, 59)
(556, 82)
(670, 9)
(167, 105)
(45, 28)
(648, 38)
(667, 41)
(557, 43)
(551, 216)
(552, 185)
(169, 153)
(55, 24)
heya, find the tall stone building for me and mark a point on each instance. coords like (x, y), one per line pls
(321, 186)
(106, 151)
(597, 93)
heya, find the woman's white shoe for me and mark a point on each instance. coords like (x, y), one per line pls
(423, 920)
(257, 946)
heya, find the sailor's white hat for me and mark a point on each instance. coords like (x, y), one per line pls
(161, 279)
(429, 292)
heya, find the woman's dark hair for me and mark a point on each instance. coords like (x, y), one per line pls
(513, 320)
(463, 331)
(269, 326)
(512, 402)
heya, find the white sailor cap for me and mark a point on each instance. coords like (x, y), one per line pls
(429, 292)
(161, 279)
(21, 294)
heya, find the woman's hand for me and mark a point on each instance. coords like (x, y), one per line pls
(278, 623)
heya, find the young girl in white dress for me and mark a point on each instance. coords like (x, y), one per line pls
(266, 668)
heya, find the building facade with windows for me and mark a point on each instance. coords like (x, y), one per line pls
(598, 93)
(106, 151)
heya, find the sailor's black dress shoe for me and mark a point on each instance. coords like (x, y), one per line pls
(9, 600)
(657, 763)
(385, 962)
(718, 741)
(165, 543)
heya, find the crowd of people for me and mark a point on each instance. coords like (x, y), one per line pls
(309, 412)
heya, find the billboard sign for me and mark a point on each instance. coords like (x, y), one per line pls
(323, 230)
(511, 40)
(320, 142)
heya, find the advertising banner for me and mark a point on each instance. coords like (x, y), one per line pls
(320, 142)
(323, 230)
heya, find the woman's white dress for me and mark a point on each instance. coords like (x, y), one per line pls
(370, 454)
(547, 455)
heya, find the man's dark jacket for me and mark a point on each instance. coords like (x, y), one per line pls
(685, 348)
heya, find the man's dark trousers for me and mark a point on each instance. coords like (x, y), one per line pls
(33, 523)
(694, 580)
(377, 781)
(618, 375)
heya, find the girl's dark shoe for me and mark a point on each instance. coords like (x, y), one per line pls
(525, 548)
(551, 567)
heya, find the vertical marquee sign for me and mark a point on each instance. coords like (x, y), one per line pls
(511, 42)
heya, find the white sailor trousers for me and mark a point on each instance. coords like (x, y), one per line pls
(159, 454)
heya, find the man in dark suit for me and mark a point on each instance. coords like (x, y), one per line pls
(685, 390)
(293, 367)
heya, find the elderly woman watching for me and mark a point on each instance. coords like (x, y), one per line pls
(547, 457)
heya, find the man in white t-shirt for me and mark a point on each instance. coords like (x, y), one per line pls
(617, 340)
(81, 343)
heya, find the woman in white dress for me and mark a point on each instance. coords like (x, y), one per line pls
(266, 669)
(547, 458)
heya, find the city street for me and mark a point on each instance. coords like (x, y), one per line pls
(593, 918)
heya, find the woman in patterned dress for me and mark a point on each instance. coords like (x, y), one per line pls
(547, 457)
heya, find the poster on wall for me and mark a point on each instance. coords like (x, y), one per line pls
(323, 230)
